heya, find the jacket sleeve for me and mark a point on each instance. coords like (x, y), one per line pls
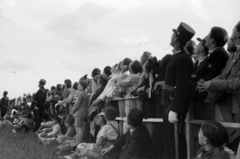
(228, 85)
(128, 82)
(216, 68)
(120, 141)
(183, 87)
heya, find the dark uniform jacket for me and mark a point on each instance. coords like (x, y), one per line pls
(137, 145)
(216, 62)
(178, 75)
(40, 98)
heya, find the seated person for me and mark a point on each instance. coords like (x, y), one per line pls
(212, 136)
(71, 132)
(137, 141)
(25, 125)
(47, 122)
(106, 136)
(49, 134)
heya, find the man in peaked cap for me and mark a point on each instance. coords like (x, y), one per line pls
(176, 92)
(39, 101)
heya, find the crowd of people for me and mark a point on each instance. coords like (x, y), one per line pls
(81, 117)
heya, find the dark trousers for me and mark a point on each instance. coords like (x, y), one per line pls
(3, 112)
(38, 118)
(169, 139)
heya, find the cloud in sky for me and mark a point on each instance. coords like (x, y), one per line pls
(64, 39)
(14, 65)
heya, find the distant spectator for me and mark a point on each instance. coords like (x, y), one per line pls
(80, 109)
(107, 71)
(4, 103)
(39, 100)
(95, 75)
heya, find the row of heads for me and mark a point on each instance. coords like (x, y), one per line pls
(218, 35)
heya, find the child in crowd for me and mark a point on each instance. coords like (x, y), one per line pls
(80, 109)
(106, 136)
(212, 136)
(71, 132)
(25, 124)
(47, 122)
(49, 134)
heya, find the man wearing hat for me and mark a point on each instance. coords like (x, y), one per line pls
(39, 101)
(4, 103)
(224, 90)
(176, 92)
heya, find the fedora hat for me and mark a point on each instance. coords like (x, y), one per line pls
(184, 32)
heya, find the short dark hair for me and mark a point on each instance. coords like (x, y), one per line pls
(75, 85)
(110, 113)
(53, 88)
(238, 26)
(135, 117)
(126, 61)
(219, 35)
(96, 71)
(136, 67)
(216, 134)
(107, 70)
(190, 47)
(59, 87)
(68, 83)
(5, 93)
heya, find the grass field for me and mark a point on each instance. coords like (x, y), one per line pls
(22, 146)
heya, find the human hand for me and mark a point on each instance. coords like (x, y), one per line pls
(204, 86)
(172, 117)
(105, 151)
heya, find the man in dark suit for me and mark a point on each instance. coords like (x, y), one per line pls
(4, 103)
(176, 92)
(201, 65)
(137, 141)
(224, 89)
(39, 101)
(218, 56)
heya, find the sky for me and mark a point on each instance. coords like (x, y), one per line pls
(66, 39)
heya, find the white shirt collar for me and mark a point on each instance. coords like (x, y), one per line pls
(175, 51)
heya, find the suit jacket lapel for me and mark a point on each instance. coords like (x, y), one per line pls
(234, 59)
(202, 65)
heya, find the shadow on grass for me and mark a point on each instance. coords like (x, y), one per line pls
(22, 146)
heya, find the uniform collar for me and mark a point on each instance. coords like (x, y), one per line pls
(176, 51)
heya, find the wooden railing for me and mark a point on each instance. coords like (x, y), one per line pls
(190, 121)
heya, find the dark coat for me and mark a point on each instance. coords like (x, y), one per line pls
(138, 144)
(201, 70)
(178, 75)
(216, 62)
(40, 98)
